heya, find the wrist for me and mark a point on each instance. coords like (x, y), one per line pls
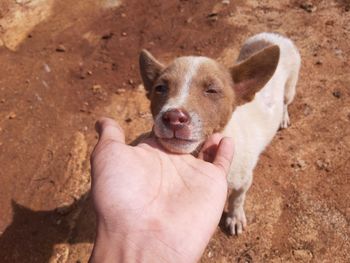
(134, 246)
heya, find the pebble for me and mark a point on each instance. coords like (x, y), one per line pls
(96, 89)
(307, 110)
(299, 165)
(128, 120)
(337, 94)
(12, 115)
(226, 2)
(308, 7)
(107, 36)
(323, 164)
(124, 34)
(213, 17)
(61, 48)
(120, 91)
(47, 68)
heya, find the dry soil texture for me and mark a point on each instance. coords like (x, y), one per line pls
(65, 63)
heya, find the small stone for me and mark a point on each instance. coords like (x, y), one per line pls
(189, 20)
(308, 7)
(89, 72)
(124, 34)
(47, 68)
(61, 48)
(128, 120)
(12, 115)
(318, 62)
(337, 94)
(120, 91)
(96, 89)
(2, 100)
(323, 164)
(107, 36)
(299, 164)
(307, 110)
(131, 82)
(210, 254)
(213, 17)
(226, 2)
(123, 15)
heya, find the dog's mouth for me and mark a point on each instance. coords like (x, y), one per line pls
(178, 145)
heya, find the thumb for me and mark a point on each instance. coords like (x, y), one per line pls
(108, 129)
(224, 155)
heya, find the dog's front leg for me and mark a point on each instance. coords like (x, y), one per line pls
(236, 220)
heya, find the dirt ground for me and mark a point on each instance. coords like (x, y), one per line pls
(65, 63)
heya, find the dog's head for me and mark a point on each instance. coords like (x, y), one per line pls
(194, 97)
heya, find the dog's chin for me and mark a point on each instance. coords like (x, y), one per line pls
(175, 145)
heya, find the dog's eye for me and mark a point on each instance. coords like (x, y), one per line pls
(161, 89)
(211, 89)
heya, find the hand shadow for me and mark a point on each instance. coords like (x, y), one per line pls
(32, 234)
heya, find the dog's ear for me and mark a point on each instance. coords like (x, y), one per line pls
(150, 69)
(251, 75)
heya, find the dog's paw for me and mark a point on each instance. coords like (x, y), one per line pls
(237, 222)
(285, 118)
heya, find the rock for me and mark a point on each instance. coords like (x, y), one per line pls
(308, 7)
(120, 91)
(226, 2)
(213, 17)
(12, 115)
(299, 164)
(96, 89)
(124, 34)
(128, 120)
(61, 48)
(107, 36)
(47, 68)
(337, 94)
(323, 164)
(307, 110)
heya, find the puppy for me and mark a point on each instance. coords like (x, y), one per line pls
(194, 97)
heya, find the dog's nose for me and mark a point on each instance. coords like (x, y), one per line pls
(175, 118)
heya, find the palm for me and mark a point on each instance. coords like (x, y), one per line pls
(179, 197)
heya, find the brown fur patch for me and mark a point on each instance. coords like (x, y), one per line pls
(252, 74)
(252, 48)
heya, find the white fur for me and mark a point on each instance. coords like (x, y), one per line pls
(192, 65)
(254, 124)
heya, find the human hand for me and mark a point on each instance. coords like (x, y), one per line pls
(154, 206)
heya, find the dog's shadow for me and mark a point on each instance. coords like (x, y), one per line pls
(32, 235)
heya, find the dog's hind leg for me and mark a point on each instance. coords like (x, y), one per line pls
(289, 91)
